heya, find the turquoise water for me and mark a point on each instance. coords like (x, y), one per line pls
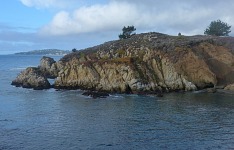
(52, 119)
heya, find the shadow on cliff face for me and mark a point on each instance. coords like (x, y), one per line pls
(223, 72)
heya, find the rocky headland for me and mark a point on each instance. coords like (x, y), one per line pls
(145, 63)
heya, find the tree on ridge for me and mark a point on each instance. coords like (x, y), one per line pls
(218, 28)
(127, 32)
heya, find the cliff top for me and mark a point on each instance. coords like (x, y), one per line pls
(154, 41)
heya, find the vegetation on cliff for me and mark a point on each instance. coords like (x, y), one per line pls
(127, 32)
(218, 28)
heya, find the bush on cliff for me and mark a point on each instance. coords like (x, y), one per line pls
(127, 32)
(74, 50)
(218, 28)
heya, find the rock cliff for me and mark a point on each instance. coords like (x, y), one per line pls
(48, 67)
(149, 62)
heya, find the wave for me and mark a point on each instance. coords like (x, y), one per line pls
(116, 96)
(20, 68)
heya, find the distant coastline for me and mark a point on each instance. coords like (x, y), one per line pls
(49, 52)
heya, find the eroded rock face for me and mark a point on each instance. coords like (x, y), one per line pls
(149, 62)
(31, 78)
(121, 77)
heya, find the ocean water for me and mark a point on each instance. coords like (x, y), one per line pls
(66, 120)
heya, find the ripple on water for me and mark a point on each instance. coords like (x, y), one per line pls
(66, 119)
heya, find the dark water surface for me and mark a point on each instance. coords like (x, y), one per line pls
(49, 119)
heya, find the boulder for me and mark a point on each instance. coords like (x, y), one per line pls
(48, 67)
(230, 87)
(31, 78)
(211, 90)
(157, 94)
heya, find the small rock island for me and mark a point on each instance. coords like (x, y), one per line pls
(145, 63)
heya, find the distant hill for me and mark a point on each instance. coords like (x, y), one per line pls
(45, 52)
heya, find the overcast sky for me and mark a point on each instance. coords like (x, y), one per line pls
(65, 24)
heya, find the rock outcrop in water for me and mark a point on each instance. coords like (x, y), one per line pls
(150, 62)
(31, 78)
(48, 67)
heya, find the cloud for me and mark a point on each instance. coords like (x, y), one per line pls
(169, 16)
(49, 3)
(12, 41)
(102, 20)
(92, 19)
(40, 3)
(59, 4)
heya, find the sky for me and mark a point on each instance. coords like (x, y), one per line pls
(66, 24)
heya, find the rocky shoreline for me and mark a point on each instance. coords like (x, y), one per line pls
(144, 64)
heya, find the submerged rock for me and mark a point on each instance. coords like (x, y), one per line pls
(95, 94)
(211, 90)
(32, 77)
(155, 93)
